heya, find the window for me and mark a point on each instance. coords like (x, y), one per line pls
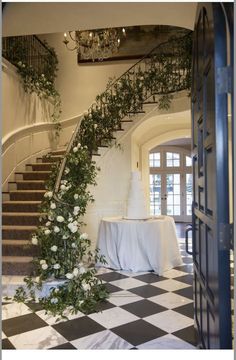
(155, 159)
(188, 161)
(155, 194)
(172, 159)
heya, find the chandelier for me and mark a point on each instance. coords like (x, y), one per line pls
(95, 44)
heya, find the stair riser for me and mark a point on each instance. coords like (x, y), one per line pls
(16, 234)
(20, 220)
(31, 186)
(33, 176)
(58, 152)
(38, 167)
(17, 268)
(52, 159)
(21, 250)
(33, 196)
(20, 207)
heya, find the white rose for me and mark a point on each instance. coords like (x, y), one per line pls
(56, 290)
(95, 126)
(54, 301)
(75, 272)
(86, 287)
(76, 196)
(73, 228)
(44, 266)
(56, 229)
(63, 187)
(53, 206)
(48, 223)
(64, 237)
(78, 145)
(34, 240)
(42, 262)
(60, 219)
(48, 194)
(56, 266)
(90, 116)
(76, 210)
(75, 149)
(82, 270)
(37, 279)
(73, 245)
(51, 217)
(67, 170)
(81, 302)
(69, 276)
(54, 248)
(47, 232)
(84, 236)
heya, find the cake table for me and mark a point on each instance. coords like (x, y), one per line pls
(139, 245)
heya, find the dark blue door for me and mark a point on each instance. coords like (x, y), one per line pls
(211, 231)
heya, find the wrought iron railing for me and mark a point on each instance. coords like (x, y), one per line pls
(162, 72)
(29, 50)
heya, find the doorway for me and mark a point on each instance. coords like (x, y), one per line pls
(170, 181)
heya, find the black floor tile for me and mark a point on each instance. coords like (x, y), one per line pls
(149, 278)
(143, 308)
(104, 305)
(187, 292)
(138, 332)
(188, 334)
(111, 276)
(147, 291)
(77, 328)
(66, 346)
(20, 324)
(186, 310)
(185, 268)
(7, 345)
(112, 288)
(35, 306)
(187, 279)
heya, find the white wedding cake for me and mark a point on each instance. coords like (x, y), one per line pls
(136, 206)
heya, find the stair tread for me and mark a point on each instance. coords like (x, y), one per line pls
(19, 227)
(40, 164)
(36, 171)
(22, 202)
(22, 214)
(26, 181)
(27, 191)
(15, 242)
(17, 259)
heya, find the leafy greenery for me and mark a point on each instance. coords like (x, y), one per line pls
(38, 71)
(64, 252)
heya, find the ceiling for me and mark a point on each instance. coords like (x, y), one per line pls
(22, 18)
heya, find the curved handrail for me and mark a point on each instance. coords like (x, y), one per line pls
(153, 58)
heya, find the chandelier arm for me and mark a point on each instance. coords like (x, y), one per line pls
(73, 39)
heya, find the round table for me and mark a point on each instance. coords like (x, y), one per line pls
(139, 245)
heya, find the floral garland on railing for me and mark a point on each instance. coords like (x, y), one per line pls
(64, 252)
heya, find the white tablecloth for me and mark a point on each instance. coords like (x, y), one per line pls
(139, 245)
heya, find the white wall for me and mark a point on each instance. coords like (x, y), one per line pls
(79, 85)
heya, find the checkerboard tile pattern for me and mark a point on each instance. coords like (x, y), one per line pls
(144, 311)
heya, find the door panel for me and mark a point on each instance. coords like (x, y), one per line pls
(210, 180)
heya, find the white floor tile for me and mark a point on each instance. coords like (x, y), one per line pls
(170, 285)
(113, 317)
(103, 271)
(170, 300)
(169, 321)
(51, 320)
(173, 273)
(14, 310)
(123, 297)
(128, 283)
(103, 340)
(42, 338)
(166, 342)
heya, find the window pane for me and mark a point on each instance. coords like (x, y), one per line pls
(155, 194)
(172, 159)
(154, 159)
(189, 186)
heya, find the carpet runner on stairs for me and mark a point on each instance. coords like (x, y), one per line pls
(20, 214)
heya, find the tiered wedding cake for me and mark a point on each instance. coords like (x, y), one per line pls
(136, 206)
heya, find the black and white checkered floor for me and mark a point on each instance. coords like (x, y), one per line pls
(144, 311)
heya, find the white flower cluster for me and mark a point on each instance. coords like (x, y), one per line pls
(43, 264)
(73, 226)
(48, 194)
(65, 186)
(76, 148)
(34, 240)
